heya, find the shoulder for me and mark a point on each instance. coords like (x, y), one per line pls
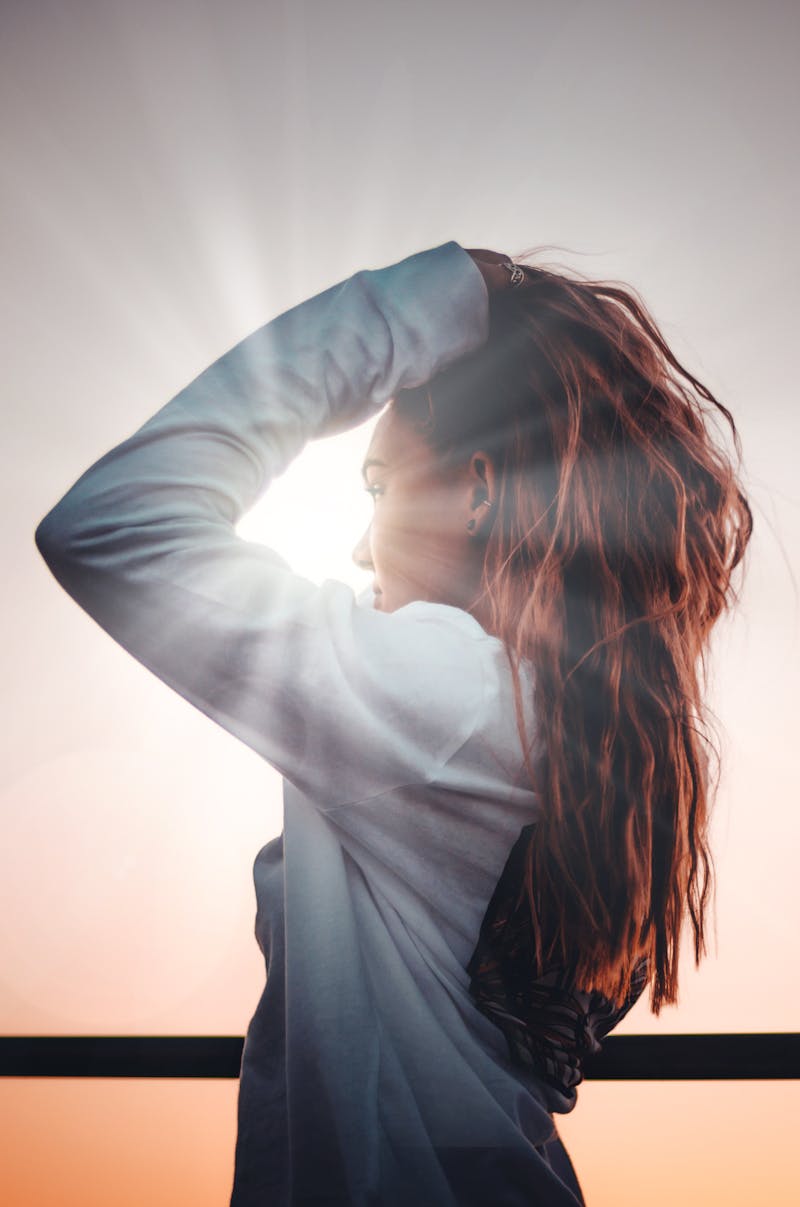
(423, 646)
(410, 685)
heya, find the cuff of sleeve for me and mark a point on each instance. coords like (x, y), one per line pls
(440, 293)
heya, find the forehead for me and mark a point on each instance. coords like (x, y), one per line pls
(395, 441)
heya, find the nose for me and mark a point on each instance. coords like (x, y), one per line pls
(361, 552)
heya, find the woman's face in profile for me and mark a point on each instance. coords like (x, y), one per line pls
(417, 544)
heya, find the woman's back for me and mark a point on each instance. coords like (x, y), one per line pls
(393, 1075)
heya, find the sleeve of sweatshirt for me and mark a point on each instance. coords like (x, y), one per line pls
(345, 701)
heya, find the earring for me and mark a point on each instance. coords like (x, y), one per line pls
(484, 503)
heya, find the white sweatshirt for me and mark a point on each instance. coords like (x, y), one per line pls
(368, 1076)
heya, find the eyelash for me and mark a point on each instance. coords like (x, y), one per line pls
(374, 490)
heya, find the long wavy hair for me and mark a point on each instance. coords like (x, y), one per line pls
(618, 522)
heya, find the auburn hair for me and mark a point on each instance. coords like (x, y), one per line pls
(618, 522)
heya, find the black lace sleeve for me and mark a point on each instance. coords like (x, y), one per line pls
(549, 1024)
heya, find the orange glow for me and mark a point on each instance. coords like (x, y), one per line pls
(92, 1142)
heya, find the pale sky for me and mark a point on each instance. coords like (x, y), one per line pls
(175, 175)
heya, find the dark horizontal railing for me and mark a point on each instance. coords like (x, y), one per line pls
(705, 1057)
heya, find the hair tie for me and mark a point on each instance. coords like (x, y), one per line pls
(517, 275)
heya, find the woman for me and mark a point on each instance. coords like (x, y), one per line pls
(495, 799)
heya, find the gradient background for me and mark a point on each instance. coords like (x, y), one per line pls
(174, 175)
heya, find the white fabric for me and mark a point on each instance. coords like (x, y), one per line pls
(404, 785)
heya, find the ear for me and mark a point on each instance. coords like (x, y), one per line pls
(482, 494)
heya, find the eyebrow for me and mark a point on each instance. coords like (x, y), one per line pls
(370, 461)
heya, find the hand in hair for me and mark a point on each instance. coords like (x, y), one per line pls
(497, 279)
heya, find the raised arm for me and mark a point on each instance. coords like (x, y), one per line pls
(144, 540)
